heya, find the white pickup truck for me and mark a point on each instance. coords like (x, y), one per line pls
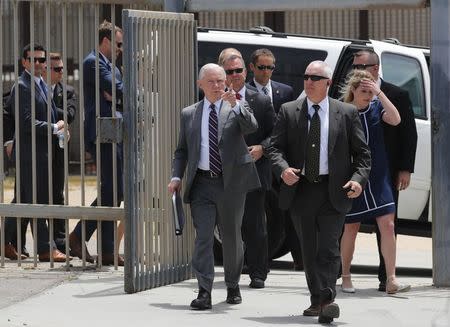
(407, 67)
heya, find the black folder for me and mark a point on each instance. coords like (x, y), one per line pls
(178, 213)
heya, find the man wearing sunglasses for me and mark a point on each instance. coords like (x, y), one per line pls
(318, 151)
(400, 140)
(254, 229)
(106, 70)
(262, 65)
(33, 61)
(57, 91)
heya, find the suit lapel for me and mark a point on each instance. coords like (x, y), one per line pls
(301, 117)
(334, 116)
(197, 129)
(223, 116)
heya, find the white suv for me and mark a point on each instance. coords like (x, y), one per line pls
(404, 66)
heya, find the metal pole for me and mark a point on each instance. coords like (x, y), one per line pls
(440, 72)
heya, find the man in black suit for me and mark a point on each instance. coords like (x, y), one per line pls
(56, 75)
(318, 150)
(400, 140)
(262, 65)
(24, 145)
(254, 229)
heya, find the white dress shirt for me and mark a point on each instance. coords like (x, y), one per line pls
(203, 163)
(324, 125)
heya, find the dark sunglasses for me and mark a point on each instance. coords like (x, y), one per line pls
(41, 60)
(313, 78)
(119, 44)
(232, 71)
(58, 69)
(262, 67)
(363, 66)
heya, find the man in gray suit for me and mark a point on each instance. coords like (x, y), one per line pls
(254, 229)
(220, 171)
(318, 150)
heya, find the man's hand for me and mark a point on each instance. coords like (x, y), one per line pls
(9, 148)
(289, 176)
(174, 186)
(403, 180)
(230, 96)
(60, 125)
(256, 151)
(353, 189)
(107, 96)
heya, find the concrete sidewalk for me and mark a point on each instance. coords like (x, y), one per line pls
(97, 298)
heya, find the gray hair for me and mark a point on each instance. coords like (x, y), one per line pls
(324, 66)
(209, 67)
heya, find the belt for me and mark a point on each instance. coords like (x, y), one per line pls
(321, 179)
(208, 173)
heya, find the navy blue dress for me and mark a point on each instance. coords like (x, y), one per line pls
(376, 199)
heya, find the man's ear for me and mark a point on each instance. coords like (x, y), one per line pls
(252, 67)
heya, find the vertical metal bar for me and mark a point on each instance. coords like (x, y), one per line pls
(113, 114)
(49, 127)
(81, 130)
(66, 128)
(2, 168)
(16, 125)
(129, 106)
(33, 132)
(97, 143)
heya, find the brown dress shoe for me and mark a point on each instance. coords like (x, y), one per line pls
(108, 260)
(312, 311)
(11, 253)
(75, 248)
(56, 255)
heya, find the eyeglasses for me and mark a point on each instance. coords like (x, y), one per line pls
(313, 78)
(362, 66)
(232, 71)
(41, 60)
(262, 67)
(58, 69)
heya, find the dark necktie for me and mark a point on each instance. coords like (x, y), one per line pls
(44, 90)
(265, 90)
(215, 163)
(238, 96)
(312, 160)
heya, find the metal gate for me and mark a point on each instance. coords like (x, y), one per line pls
(160, 72)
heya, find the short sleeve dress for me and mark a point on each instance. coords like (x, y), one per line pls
(376, 199)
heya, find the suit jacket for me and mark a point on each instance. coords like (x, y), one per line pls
(25, 141)
(238, 169)
(265, 116)
(281, 93)
(105, 77)
(58, 98)
(348, 153)
(400, 140)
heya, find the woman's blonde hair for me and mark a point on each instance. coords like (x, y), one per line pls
(352, 82)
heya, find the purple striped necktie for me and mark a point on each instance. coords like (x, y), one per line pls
(215, 163)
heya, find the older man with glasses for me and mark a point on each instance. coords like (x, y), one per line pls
(400, 140)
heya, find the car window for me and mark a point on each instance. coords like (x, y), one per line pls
(290, 63)
(406, 73)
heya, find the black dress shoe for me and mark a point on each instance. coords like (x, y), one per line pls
(203, 300)
(234, 295)
(312, 311)
(328, 312)
(25, 252)
(256, 283)
(382, 287)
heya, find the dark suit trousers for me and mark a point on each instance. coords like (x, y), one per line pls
(59, 225)
(107, 192)
(254, 234)
(319, 227)
(211, 205)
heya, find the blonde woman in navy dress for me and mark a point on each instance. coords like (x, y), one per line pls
(376, 203)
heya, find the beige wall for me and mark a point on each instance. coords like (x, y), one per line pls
(409, 26)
